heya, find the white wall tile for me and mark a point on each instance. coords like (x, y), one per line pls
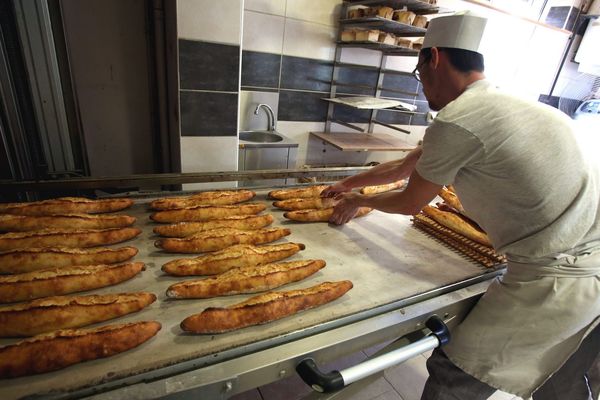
(263, 32)
(209, 20)
(275, 7)
(248, 102)
(310, 40)
(406, 64)
(326, 12)
(299, 133)
(209, 153)
(355, 55)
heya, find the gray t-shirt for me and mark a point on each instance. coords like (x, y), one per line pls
(517, 169)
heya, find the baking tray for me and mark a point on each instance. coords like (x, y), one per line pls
(382, 254)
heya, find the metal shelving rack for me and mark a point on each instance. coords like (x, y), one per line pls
(416, 6)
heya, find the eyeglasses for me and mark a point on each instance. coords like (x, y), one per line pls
(416, 74)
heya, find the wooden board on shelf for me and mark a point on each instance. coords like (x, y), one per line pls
(387, 25)
(416, 6)
(350, 141)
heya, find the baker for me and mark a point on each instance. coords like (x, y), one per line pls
(518, 170)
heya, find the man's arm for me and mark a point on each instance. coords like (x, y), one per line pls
(390, 171)
(417, 194)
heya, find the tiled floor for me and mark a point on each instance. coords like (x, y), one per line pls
(401, 382)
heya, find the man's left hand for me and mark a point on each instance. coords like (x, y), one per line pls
(346, 208)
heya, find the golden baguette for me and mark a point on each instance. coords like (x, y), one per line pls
(452, 200)
(241, 255)
(263, 308)
(244, 222)
(59, 281)
(319, 215)
(218, 239)
(382, 188)
(63, 312)
(308, 203)
(23, 223)
(66, 205)
(257, 278)
(205, 213)
(299, 193)
(31, 259)
(59, 349)
(66, 238)
(457, 224)
(219, 197)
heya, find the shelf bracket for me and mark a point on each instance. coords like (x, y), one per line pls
(346, 124)
(391, 126)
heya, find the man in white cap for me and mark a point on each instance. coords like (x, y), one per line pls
(521, 176)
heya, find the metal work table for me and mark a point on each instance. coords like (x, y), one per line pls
(400, 276)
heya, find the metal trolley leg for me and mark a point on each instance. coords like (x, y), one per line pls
(336, 380)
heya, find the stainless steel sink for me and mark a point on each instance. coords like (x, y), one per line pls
(260, 136)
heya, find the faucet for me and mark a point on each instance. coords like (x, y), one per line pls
(270, 115)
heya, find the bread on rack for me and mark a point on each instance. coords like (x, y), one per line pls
(304, 204)
(257, 278)
(370, 35)
(404, 42)
(420, 21)
(60, 349)
(241, 255)
(358, 12)
(264, 308)
(31, 259)
(66, 238)
(60, 281)
(403, 16)
(457, 224)
(297, 193)
(322, 215)
(387, 38)
(375, 189)
(218, 239)
(348, 35)
(206, 213)
(23, 223)
(64, 312)
(66, 205)
(212, 198)
(243, 222)
(452, 200)
(380, 11)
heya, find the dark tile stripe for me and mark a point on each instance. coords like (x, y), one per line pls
(302, 106)
(399, 82)
(306, 74)
(393, 117)
(260, 69)
(208, 113)
(420, 119)
(557, 16)
(208, 66)
(352, 115)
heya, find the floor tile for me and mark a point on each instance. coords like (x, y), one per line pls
(253, 394)
(378, 389)
(292, 388)
(499, 395)
(408, 378)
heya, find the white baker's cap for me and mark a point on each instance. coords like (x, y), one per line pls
(458, 31)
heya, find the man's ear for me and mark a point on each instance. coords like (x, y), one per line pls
(435, 57)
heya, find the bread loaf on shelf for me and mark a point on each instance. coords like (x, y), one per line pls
(243, 222)
(257, 278)
(34, 258)
(354, 13)
(241, 255)
(387, 38)
(66, 205)
(63, 348)
(305, 204)
(420, 21)
(348, 35)
(380, 11)
(23, 223)
(218, 197)
(63, 312)
(405, 17)
(371, 35)
(319, 215)
(59, 281)
(206, 213)
(264, 308)
(218, 239)
(297, 193)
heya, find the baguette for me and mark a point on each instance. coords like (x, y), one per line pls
(66, 205)
(452, 200)
(305, 204)
(205, 213)
(31, 259)
(220, 197)
(66, 238)
(59, 349)
(22, 223)
(241, 255)
(59, 281)
(63, 312)
(218, 239)
(319, 215)
(382, 188)
(257, 278)
(457, 224)
(243, 222)
(300, 193)
(263, 308)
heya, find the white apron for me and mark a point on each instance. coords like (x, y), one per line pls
(529, 321)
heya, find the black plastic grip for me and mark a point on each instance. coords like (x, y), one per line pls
(319, 381)
(439, 329)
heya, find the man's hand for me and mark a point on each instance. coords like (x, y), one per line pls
(346, 207)
(335, 189)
